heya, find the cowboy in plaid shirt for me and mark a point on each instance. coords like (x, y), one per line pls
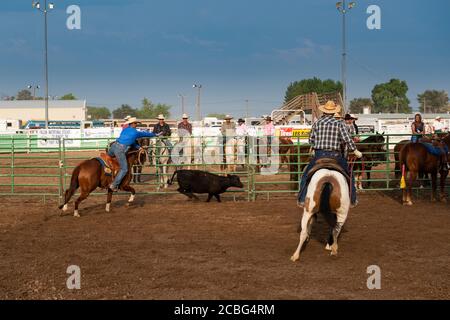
(327, 137)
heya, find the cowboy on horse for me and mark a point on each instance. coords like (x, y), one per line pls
(326, 139)
(120, 147)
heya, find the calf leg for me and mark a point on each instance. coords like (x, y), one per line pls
(217, 197)
(209, 197)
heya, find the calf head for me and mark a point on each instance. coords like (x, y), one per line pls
(234, 181)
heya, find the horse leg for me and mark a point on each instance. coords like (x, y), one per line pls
(433, 186)
(412, 178)
(108, 200)
(303, 234)
(82, 197)
(335, 234)
(443, 177)
(133, 193)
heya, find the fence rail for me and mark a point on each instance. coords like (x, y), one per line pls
(30, 166)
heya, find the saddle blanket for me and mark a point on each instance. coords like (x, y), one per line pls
(108, 171)
(434, 150)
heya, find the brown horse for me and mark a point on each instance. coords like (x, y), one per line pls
(373, 149)
(415, 158)
(89, 175)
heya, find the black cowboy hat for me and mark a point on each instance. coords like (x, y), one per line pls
(241, 120)
(349, 117)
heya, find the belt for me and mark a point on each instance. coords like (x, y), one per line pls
(330, 152)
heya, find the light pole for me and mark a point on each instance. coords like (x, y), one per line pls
(247, 107)
(37, 87)
(182, 103)
(344, 8)
(44, 9)
(199, 87)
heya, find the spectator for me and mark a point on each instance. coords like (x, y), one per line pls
(184, 127)
(163, 129)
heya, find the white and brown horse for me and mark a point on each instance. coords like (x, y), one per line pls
(328, 193)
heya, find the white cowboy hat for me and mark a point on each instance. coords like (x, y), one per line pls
(132, 120)
(127, 117)
(330, 107)
(228, 117)
(438, 118)
(185, 116)
(353, 116)
(161, 117)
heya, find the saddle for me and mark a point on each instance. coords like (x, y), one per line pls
(110, 165)
(330, 164)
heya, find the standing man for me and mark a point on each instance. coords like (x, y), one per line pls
(269, 132)
(162, 129)
(228, 131)
(184, 127)
(354, 118)
(241, 136)
(120, 147)
(439, 126)
(327, 135)
(185, 130)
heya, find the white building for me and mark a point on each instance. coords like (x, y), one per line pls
(26, 110)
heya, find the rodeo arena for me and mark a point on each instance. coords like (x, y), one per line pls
(209, 209)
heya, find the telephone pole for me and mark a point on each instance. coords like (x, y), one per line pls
(183, 111)
(247, 108)
(199, 87)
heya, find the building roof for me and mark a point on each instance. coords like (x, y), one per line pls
(399, 116)
(4, 104)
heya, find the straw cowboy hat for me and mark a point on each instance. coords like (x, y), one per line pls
(353, 116)
(330, 107)
(228, 117)
(132, 120)
(185, 116)
(161, 117)
(268, 118)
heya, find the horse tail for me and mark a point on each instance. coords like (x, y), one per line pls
(325, 210)
(73, 186)
(170, 181)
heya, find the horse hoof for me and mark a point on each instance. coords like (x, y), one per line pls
(76, 214)
(328, 247)
(108, 207)
(64, 208)
(295, 257)
(408, 203)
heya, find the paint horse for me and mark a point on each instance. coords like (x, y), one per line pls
(327, 193)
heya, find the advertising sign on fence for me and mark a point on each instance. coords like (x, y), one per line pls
(49, 138)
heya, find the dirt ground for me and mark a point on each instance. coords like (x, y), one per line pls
(164, 247)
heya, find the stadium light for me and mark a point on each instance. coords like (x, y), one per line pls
(343, 8)
(44, 10)
(199, 87)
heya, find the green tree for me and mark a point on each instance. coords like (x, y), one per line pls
(219, 116)
(311, 85)
(151, 111)
(357, 104)
(68, 96)
(24, 95)
(96, 113)
(123, 111)
(435, 101)
(391, 97)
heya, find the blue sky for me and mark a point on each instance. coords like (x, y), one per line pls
(237, 50)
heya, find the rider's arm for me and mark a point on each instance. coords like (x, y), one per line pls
(346, 137)
(413, 128)
(142, 134)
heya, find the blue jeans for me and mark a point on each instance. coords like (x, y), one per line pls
(324, 154)
(120, 152)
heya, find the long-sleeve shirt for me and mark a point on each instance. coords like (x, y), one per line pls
(330, 134)
(228, 129)
(165, 129)
(242, 130)
(269, 129)
(129, 135)
(186, 127)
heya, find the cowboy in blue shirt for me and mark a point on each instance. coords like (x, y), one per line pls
(119, 149)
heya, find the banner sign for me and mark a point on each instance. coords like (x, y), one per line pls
(49, 138)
